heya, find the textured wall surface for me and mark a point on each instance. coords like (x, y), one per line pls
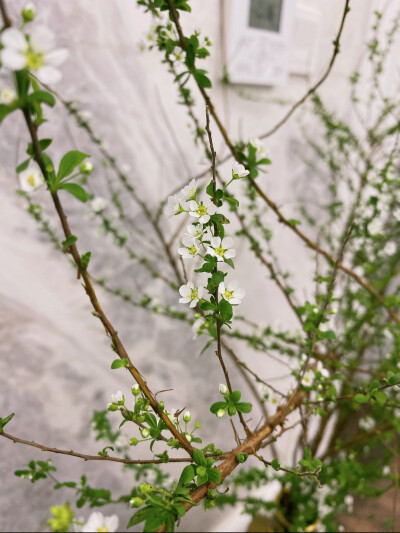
(55, 358)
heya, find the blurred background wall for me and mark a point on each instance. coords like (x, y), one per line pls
(55, 358)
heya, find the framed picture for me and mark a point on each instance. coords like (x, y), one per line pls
(258, 40)
(268, 39)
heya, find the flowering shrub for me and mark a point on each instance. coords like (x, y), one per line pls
(342, 400)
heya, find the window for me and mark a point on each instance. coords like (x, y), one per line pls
(265, 14)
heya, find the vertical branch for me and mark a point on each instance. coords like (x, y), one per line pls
(218, 323)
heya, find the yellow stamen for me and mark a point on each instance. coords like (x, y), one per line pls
(219, 251)
(192, 250)
(228, 294)
(201, 210)
(34, 60)
(31, 180)
(194, 294)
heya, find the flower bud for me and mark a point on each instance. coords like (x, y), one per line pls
(161, 406)
(241, 457)
(136, 502)
(197, 425)
(86, 167)
(28, 12)
(145, 432)
(223, 389)
(135, 390)
(7, 95)
(133, 442)
(187, 416)
(188, 437)
(144, 488)
(220, 413)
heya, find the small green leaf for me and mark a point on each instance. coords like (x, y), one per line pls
(4, 421)
(22, 166)
(217, 406)
(76, 190)
(69, 242)
(119, 363)
(215, 475)
(244, 407)
(42, 96)
(187, 475)
(198, 457)
(235, 396)
(70, 161)
(360, 398)
(275, 464)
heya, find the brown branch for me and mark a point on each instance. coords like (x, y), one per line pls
(86, 457)
(312, 90)
(118, 346)
(6, 19)
(216, 233)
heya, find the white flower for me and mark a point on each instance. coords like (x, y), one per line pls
(31, 179)
(190, 249)
(349, 501)
(322, 370)
(386, 470)
(36, 53)
(187, 416)
(190, 293)
(389, 248)
(188, 437)
(221, 249)
(98, 204)
(117, 398)
(223, 389)
(231, 292)
(202, 210)
(135, 389)
(220, 413)
(367, 423)
(197, 327)
(7, 95)
(195, 231)
(396, 212)
(239, 170)
(175, 205)
(189, 192)
(175, 55)
(308, 378)
(375, 227)
(145, 432)
(98, 522)
(256, 143)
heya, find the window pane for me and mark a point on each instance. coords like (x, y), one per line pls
(265, 14)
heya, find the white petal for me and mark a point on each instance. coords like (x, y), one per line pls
(48, 75)
(210, 251)
(232, 285)
(182, 251)
(184, 300)
(111, 522)
(219, 258)
(235, 301)
(221, 287)
(190, 284)
(183, 290)
(240, 293)
(193, 303)
(230, 253)
(215, 241)
(193, 214)
(57, 57)
(188, 241)
(227, 243)
(12, 59)
(42, 38)
(14, 39)
(192, 205)
(204, 219)
(200, 291)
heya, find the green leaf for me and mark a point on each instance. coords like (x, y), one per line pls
(201, 79)
(69, 242)
(188, 474)
(214, 475)
(206, 306)
(393, 380)
(43, 143)
(225, 308)
(140, 515)
(70, 161)
(218, 405)
(42, 96)
(5, 421)
(22, 166)
(119, 363)
(198, 457)
(235, 396)
(230, 263)
(275, 464)
(360, 398)
(380, 397)
(76, 190)
(244, 407)
(85, 258)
